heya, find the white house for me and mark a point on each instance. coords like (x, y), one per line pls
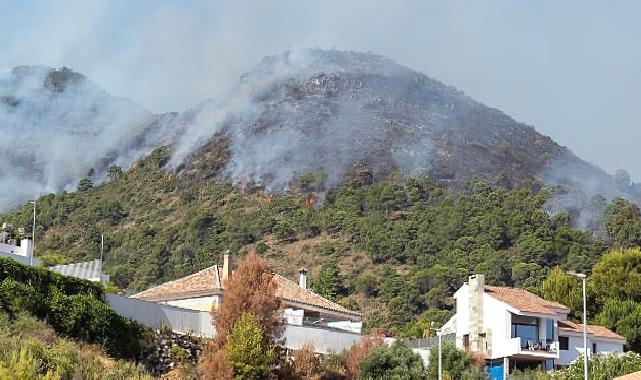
(515, 329)
(204, 291)
(22, 253)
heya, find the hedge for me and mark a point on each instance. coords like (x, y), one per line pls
(44, 280)
(74, 308)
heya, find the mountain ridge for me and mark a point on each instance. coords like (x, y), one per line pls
(343, 115)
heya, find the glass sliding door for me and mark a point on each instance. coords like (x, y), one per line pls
(526, 328)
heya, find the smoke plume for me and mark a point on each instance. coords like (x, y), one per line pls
(55, 125)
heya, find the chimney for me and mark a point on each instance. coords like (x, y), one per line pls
(476, 291)
(302, 278)
(227, 266)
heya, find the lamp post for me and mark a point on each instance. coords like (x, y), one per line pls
(439, 332)
(33, 233)
(585, 325)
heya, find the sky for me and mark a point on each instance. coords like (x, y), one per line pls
(571, 69)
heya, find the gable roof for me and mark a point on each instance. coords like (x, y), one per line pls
(288, 290)
(524, 301)
(598, 331)
(208, 281)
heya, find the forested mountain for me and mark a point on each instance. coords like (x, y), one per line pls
(390, 186)
(393, 249)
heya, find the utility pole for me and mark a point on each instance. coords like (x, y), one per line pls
(585, 325)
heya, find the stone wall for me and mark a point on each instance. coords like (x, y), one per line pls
(169, 350)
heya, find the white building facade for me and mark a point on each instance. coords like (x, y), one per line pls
(22, 253)
(513, 329)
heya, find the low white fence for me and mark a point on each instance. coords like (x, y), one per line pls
(25, 260)
(324, 340)
(199, 323)
(181, 321)
(420, 343)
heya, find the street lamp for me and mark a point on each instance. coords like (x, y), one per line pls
(33, 233)
(439, 332)
(585, 325)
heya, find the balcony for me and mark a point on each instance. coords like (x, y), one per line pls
(521, 347)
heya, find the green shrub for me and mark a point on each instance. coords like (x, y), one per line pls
(248, 351)
(603, 367)
(31, 351)
(454, 361)
(395, 362)
(16, 297)
(261, 248)
(83, 317)
(44, 280)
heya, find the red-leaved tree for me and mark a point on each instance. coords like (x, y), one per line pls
(251, 289)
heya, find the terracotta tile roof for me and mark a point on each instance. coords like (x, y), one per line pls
(288, 290)
(631, 376)
(205, 281)
(599, 331)
(524, 301)
(208, 280)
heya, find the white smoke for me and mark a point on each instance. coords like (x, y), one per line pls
(55, 125)
(310, 111)
(578, 183)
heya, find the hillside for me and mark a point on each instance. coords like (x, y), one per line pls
(388, 248)
(57, 327)
(32, 350)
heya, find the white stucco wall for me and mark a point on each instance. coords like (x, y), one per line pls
(154, 315)
(607, 347)
(575, 346)
(462, 315)
(497, 321)
(10, 249)
(323, 340)
(199, 303)
(200, 323)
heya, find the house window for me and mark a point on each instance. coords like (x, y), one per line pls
(549, 365)
(526, 328)
(564, 343)
(549, 331)
(594, 347)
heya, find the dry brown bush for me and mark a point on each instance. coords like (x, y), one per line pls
(306, 364)
(357, 353)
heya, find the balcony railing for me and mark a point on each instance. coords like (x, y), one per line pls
(525, 346)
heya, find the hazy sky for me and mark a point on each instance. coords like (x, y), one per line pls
(571, 69)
